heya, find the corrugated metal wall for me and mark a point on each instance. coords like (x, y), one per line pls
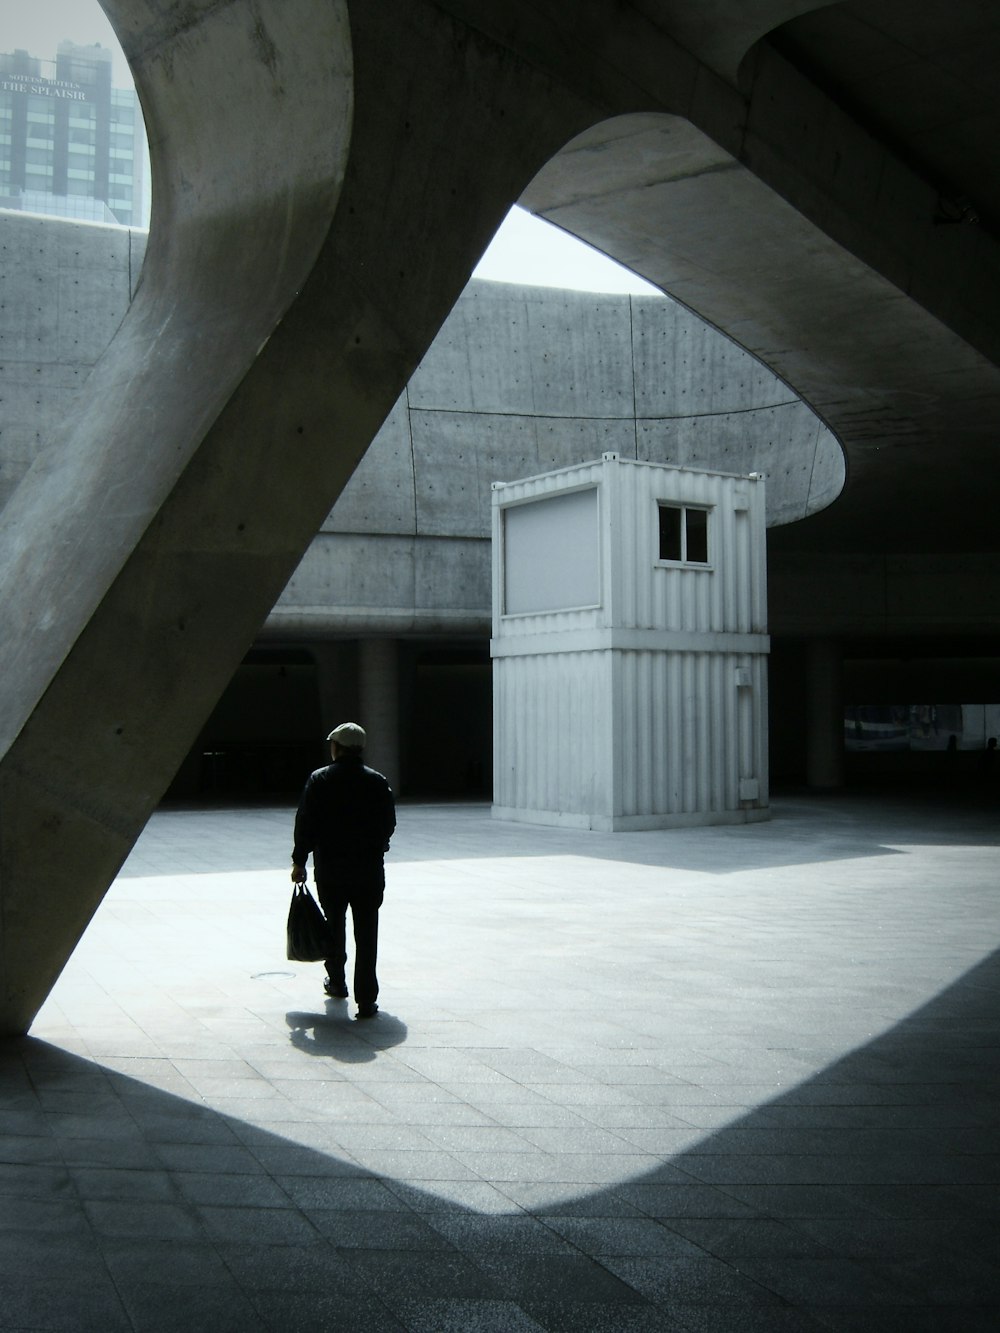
(728, 595)
(650, 709)
(553, 735)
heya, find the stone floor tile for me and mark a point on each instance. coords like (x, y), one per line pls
(222, 1307)
(802, 1201)
(20, 1180)
(34, 1149)
(224, 1190)
(122, 1184)
(479, 1138)
(134, 1260)
(413, 1165)
(700, 1280)
(60, 1215)
(554, 1277)
(131, 1155)
(745, 1319)
(288, 1159)
(160, 1126)
(165, 1221)
(537, 1115)
(215, 1157)
(318, 1311)
(499, 1235)
(324, 1192)
(568, 1316)
(259, 1225)
(943, 1279)
(399, 1276)
(29, 1256)
(666, 1200)
(455, 1196)
(259, 1266)
(802, 1280)
(619, 1236)
(30, 1122)
(377, 1229)
(794, 1080)
(60, 1305)
(557, 1199)
(906, 1319)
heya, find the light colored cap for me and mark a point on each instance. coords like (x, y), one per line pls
(349, 736)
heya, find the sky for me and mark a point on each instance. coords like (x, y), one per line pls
(529, 250)
(38, 26)
(525, 249)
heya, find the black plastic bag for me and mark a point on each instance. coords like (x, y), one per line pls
(308, 932)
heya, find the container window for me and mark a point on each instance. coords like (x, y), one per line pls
(683, 534)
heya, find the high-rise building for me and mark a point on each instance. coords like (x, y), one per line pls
(70, 143)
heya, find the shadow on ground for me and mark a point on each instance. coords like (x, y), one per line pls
(803, 831)
(865, 1198)
(332, 1035)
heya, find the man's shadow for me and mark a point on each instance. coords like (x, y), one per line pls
(336, 1036)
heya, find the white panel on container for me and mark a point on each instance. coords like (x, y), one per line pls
(551, 554)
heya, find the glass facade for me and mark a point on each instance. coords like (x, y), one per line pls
(68, 137)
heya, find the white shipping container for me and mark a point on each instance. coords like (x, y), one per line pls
(630, 647)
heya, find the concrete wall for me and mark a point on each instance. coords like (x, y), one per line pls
(519, 381)
(64, 290)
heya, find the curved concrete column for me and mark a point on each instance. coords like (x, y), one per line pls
(248, 112)
(210, 452)
(248, 117)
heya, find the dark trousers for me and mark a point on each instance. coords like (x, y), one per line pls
(364, 905)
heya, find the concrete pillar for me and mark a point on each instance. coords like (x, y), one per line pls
(378, 666)
(824, 713)
(337, 678)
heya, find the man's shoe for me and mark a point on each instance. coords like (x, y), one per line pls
(334, 992)
(367, 1011)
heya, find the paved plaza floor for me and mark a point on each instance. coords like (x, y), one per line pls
(728, 1079)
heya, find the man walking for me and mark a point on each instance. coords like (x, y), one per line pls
(345, 818)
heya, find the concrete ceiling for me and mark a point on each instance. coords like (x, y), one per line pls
(923, 77)
(841, 228)
(805, 177)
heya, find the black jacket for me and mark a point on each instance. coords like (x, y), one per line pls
(345, 818)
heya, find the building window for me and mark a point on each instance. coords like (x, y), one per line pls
(683, 534)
